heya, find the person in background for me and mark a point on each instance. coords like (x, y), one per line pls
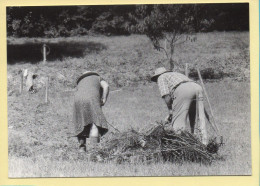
(179, 93)
(30, 80)
(88, 118)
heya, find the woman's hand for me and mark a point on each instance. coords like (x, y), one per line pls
(105, 88)
(103, 101)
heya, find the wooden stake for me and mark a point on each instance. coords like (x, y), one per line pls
(201, 115)
(186, 70)
(46, 91)
(196, 127)
(215, 127)
(21, 85)
(44, 53)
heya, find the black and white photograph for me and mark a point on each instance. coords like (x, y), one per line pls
(138, 90)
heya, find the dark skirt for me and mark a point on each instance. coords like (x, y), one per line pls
(87, 107)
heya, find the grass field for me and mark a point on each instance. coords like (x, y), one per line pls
(39, 134)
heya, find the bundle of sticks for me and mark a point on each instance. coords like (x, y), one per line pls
(155, 145)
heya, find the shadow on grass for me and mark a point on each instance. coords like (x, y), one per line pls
(32, 52)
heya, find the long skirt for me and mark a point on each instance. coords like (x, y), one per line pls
(87, 108)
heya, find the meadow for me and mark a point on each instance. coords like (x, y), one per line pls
(39, 134)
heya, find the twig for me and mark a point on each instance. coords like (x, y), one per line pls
(114, 127)
(163, 49)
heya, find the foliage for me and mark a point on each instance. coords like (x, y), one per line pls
(168, 22)
(63, 21)
(169, 26)
(114, 21)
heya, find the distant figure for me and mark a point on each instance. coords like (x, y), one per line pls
(30, 78)
(179, 93)
(89, 120)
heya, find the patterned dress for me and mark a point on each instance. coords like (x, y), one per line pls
(87, 106)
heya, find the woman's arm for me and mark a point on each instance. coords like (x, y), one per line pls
(105, 88)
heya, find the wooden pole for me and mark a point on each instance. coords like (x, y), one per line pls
(201, 115)
(44, 53)
(215, 127)
(46, 90)
(21, 85)
(186, 70)
(197, 114)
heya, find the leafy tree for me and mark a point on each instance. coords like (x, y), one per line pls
(114, 20)
(172, 24)
(156, 21)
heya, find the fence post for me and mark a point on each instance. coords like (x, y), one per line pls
(44, 53)
(186, 70)
(21, 85)
(46, 90)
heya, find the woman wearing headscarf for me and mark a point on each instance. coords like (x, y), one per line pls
(89, 120)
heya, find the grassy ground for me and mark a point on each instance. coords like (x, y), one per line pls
(39, 134)
(39, 146)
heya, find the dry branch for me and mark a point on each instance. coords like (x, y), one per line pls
(156, 145)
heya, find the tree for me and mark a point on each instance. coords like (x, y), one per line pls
(156, 21)
(173, 24)
(113, 20)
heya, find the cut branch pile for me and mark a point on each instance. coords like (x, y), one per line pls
(157, 145)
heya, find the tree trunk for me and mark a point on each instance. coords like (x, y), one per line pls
(171, 61)
(171, 64)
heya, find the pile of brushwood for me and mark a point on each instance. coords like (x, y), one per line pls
(157, 145)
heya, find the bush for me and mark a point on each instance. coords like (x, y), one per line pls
(208, 73)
